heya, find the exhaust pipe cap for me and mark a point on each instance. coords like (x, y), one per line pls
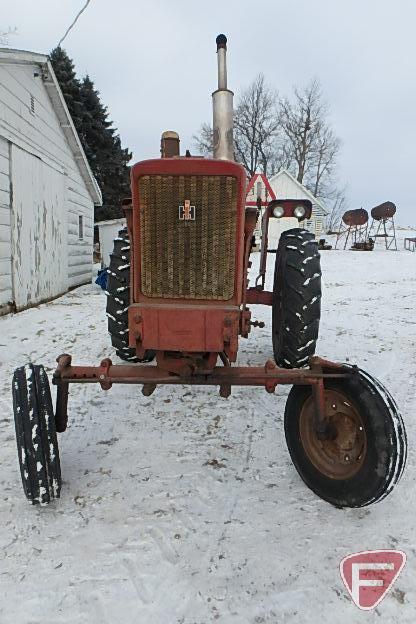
(221, 41)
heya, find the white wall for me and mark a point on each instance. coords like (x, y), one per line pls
(277, 226)
(286, 188)
(40, 134)
(39, 230)
(108, 231)
(5, 238)
(317, 224)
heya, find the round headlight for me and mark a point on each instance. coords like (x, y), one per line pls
(278, 211)
(299, 212)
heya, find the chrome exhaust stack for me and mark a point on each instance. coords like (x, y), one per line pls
(222, 107)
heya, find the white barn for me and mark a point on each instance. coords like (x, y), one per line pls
(107, 232)
(285, 186)
(47, 190)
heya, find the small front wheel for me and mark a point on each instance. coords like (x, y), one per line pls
(363, 452)
(37, 444)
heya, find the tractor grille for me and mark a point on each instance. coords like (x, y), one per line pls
(188, 259)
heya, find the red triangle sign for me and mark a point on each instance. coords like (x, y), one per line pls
(269, 191)
(368, 575)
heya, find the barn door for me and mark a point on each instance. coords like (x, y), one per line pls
(39, 230)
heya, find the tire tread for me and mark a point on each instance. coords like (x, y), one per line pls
(297, 298)
(118, 300)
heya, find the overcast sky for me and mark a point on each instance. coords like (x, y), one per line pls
(155, 66)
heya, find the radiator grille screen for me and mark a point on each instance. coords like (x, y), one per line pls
(188, 259)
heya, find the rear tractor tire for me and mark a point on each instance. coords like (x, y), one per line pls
(118, 300)
(363, 452)
(296, 307)
(37, 444)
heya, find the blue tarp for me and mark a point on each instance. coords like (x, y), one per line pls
(102, 278)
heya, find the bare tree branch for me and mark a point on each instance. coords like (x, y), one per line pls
(256, 128)
(339, 206)
(5, 34)
(322, 164)
(310, 139)
(302, 121)
(290, 133)
(204, 141)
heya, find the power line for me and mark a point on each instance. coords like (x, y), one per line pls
(74, 22)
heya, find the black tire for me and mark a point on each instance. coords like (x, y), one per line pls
(296, 308)
(37, 444)
(118, 300)
(377, 469)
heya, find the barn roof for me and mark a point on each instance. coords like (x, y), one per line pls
(308, 194)
(22, 57)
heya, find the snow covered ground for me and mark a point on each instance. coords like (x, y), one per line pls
(184, 508)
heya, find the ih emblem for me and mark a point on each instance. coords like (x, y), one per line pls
(187, 212)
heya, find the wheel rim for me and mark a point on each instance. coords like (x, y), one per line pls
(341, 454)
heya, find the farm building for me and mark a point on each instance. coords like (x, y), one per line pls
(259, 188)
(285, 186)
(107, 231)
(47, 190)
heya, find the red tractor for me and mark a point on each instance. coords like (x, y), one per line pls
(178, 294)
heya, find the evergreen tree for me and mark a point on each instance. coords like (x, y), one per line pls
(108, 160)
(102, 145)
(70, 86)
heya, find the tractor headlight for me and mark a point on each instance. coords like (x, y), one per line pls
(278, 211)
(299, 212)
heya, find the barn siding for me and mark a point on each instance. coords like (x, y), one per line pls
(287, 188)
(39, 230)
(40, 134)
(5, 239)
(108, 231)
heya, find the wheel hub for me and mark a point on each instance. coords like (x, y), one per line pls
(340, 453)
